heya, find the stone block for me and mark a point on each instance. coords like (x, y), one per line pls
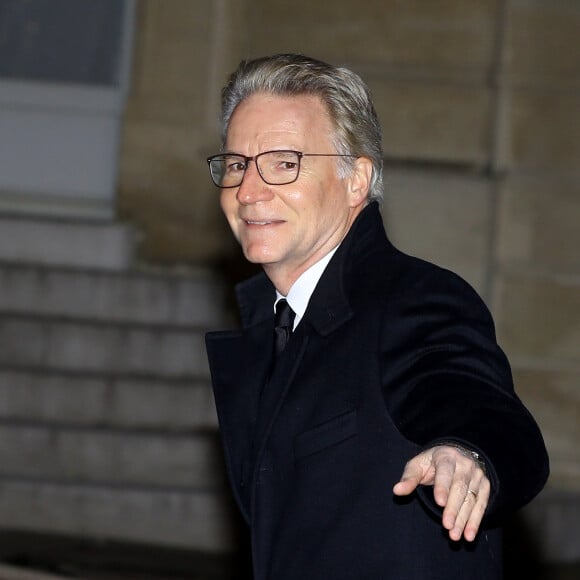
(113, 402)
(165, 188)
(553, 398)
(435, 122)
(115, 458)
(543, 132)
(200, 519)
(106, 349)
(539, 224)
(447, 33)
(538, 318)
(172, 57)
(58, 242)
(441, 217)
(194, 298)
(542, 41)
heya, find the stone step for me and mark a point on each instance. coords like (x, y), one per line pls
(107, 420)
(110, 457)
(85, 347)
(178, 518)
(107, 245)
(8, 572)
(192, 299)
(115, 402)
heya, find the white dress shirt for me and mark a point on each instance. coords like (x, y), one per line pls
(301, 291)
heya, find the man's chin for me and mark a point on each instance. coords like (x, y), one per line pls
(259, 257)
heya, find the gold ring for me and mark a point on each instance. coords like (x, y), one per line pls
(472, 492)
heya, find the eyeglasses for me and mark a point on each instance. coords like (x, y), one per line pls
(279, 167)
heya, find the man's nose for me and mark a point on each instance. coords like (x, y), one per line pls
(253, 188)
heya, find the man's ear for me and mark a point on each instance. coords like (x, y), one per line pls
(360, 181)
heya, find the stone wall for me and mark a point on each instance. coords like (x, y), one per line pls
(480, 105)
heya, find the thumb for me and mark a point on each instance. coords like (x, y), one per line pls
(411, 478)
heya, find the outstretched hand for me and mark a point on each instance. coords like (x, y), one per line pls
(460, 487)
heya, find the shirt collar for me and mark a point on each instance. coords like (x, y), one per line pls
(301, 291)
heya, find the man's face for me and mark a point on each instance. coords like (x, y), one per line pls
(287, 228)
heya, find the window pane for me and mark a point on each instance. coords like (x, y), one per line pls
(61, 40)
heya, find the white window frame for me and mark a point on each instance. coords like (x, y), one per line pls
(59, 142)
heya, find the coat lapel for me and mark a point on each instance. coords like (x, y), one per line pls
(239, 369)
(276, 389)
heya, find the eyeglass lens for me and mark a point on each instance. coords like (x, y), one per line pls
(275, 168)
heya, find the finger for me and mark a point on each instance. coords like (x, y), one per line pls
(463, 516)
(406, 485)
(445, 469)
(413, 475)
(463, 489)
(478, 511)
(456, 475)
(453, 471)
(471, 511)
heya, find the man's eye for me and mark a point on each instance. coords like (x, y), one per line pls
(236, 166)
(287, 165)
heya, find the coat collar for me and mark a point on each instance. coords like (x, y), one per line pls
(329, 306)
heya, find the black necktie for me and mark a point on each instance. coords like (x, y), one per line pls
(283, 323)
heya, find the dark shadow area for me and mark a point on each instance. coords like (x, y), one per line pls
(521, 551)
(233, 269)
(108, 560)
(523, 556)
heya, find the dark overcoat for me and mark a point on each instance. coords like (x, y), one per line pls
(393, 355)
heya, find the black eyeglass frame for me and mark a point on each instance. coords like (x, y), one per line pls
(254, 158)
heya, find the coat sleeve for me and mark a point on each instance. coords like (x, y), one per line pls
(445, 379)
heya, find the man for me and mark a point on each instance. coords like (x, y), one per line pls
(386, 440)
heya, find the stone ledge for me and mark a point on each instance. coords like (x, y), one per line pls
(108, 246)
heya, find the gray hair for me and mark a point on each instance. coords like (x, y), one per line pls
(344, 93)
